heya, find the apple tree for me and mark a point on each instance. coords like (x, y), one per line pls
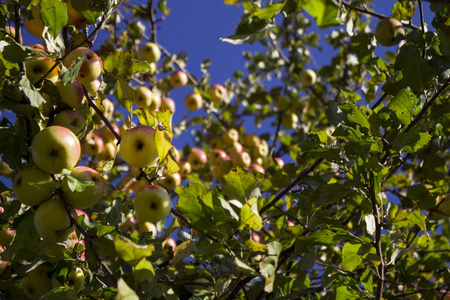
(299, 179)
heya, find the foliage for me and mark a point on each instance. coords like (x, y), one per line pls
(359, 209)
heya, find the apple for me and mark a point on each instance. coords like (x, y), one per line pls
(152, 203)
(197, 159)
(138, 146)
(257, 168)
(139, 184)
(279, 161)
(34, 26)
(128, 225)
(26, 191)
(234, 148)
(92, 87)
(36, 68)
(11, 30)
(91, 195)
(74, 17)
(216, 155)
(55, 251)
(185, 168)
(251, 140)
(71, 94)
(308, 77)
(144, 97)
(6, 236)
(106, 106)
(290, 121)
(55, 148)
(3, 264)
(283, 102)
(109, 152)
(217, 143)
(51, 220)
(39, 47)
(90, 69)
(179, 78)
(150, 52)
(261, 150)
(5, 170)
(167, 104)
(256, 237)
(171, 181)
(37, 283)
(389, 31)
(241, 159)
(107, 135)
(94, 145)
(144, 226)
(217, 92)
(70, 119)
(230, 136)
(193, 101)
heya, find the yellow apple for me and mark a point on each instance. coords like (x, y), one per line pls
(37, 67)
(179, 78)
(150, 52)
(37, 283)
(90, 69)
(152, 203)
(51, 220)
(217, 92)
(388, 32)
(91, 195)
(138, 146)
(29, 186)
(193, 101)
(34, 26)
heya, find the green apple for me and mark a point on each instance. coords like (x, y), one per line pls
(230, 136)
(37, 283)
(197, 159)
(152, 203)
(3, 264)
(34, 26)
(308, 77)
(6, 236)
(138, 148)
(143, 97)
(260, 150)
(217, 143)
(107, 135)
(241, 159)
(32, 186)
(217, 92)
(150, 52)
(55, 148)
(193, 101)
(92, 65)
(216, 155)
(234, 148)
(75, 279)
(251, 140)
(185, 168)
(167, 104)
(54, 250)
(70, 119)
(290, 121)
(92, 87)
(388, 32)
(144, 226)
(179, 78)
(171, 181)
(51, 220)
(36, 68)
(71, 94)
(91, 195)
(74, 17)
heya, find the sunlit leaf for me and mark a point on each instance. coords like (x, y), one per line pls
(182, 251)
(130, 252)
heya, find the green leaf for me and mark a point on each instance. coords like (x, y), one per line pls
(240, 185)
(130, 252)
(411, 141)
(249, 31)
(182, 251)
(71, 74)
(269, 265)
(54, 15)
(76, 184)
(332, 193)
(36, 99)
(143, 271)
(14, 52)
(403, 106)
(356, 114)
(145, 118)
(120, 64)
(249, 215)
(269, 11)
(124, 291)
(165, 117)
(367, 280)
(125, 94)
(343, 293)
(325, 12)
(351, 259)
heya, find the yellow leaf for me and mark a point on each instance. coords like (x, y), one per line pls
(182, 251)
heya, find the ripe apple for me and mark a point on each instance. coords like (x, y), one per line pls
(138, 146)
(144, 226)
(26, 191)
(234, 148)
(93, 145)
(55, 148)
(6, 236)
(257, 168)
(74, 17)
(251, 140)
(38, 47)
(197, 159)
(144, 97)
(185, 168)
(71, 94)
(308, 77)
(37, 283)
(171, 181)
(91, 67)
(230, 136)
(279, 161)
(152, 203)
(36, 68)
(11, 30)
(34, 26)
(51, 220)
(217, 92)
(388, 32)
(193, 101)
(106, 106)
(290, 121)
(107, 135)
(92, 87)
(108, 153)
(91, 195)
(179, 78)
(150, 52)
(216, 155)
(167, 104)
(241, 159)
(70, 119)
(261, 150)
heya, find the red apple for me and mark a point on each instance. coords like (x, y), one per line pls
(179, 78)
(197, 159)
(167, 104)
(71, 94)
(91, 67)
(241, 159)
